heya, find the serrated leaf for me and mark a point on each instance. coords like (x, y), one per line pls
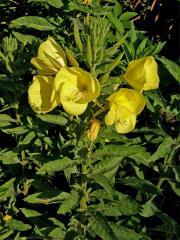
(105, 183)
(148, 209)
(141, 184)
(38, 23)
(106, 165)
(69, 203)
(100, 226)
(124, 233)
(112, 150)
(171, 66)
(125, 206)
(55, 119)
(55, 166)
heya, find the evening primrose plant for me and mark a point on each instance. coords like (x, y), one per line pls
(89, 131)
(73, 88)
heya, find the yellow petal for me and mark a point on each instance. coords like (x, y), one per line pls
(110, 116)
(142, 74)
(152, 78)
(129, 99)
(42, 67)
(52, 57)
(126, 123)
(87, 85)
(64, 76)
(41, 95)
(68, 96)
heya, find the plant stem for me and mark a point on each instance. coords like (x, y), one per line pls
(83, 202)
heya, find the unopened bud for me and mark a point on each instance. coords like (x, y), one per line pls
(93, 131)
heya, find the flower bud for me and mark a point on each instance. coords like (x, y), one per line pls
(93, 131)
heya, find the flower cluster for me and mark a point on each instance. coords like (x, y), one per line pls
(126, 104)
(57, 84)
(73, 88)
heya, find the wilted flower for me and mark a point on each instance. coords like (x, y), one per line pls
(125, 105)
(142, 74)
(75, 88)
(93, 131)
(50, 58)
(41, 94)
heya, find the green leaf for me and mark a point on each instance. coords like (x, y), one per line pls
(106, 165)
(5, 117)
(28, 138)
(175, 187)
(14, 224)
(7, 190)
(55, 3)
(112, 150)
(124, 233)
(69, 203)
(48, 197)
(116, 23)
(163, 149)
(127, 16)
(140, 184)
(148, 209)
(101, 227)
(171, 66)
(55, 119)
(105, 183)
(5, 235)
(55, 166)
(24, 38)
(124, 206)
(9, 157)
(34, 22)
(30, 213)
(117, 9)
(17, 130)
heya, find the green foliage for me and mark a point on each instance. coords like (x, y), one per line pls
(55, 183)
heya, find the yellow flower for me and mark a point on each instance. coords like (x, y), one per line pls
(93, 131)
(142, 74)
(41, 95)
(75, 88)
(50, 58)
(7, 217)
(125, 105)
